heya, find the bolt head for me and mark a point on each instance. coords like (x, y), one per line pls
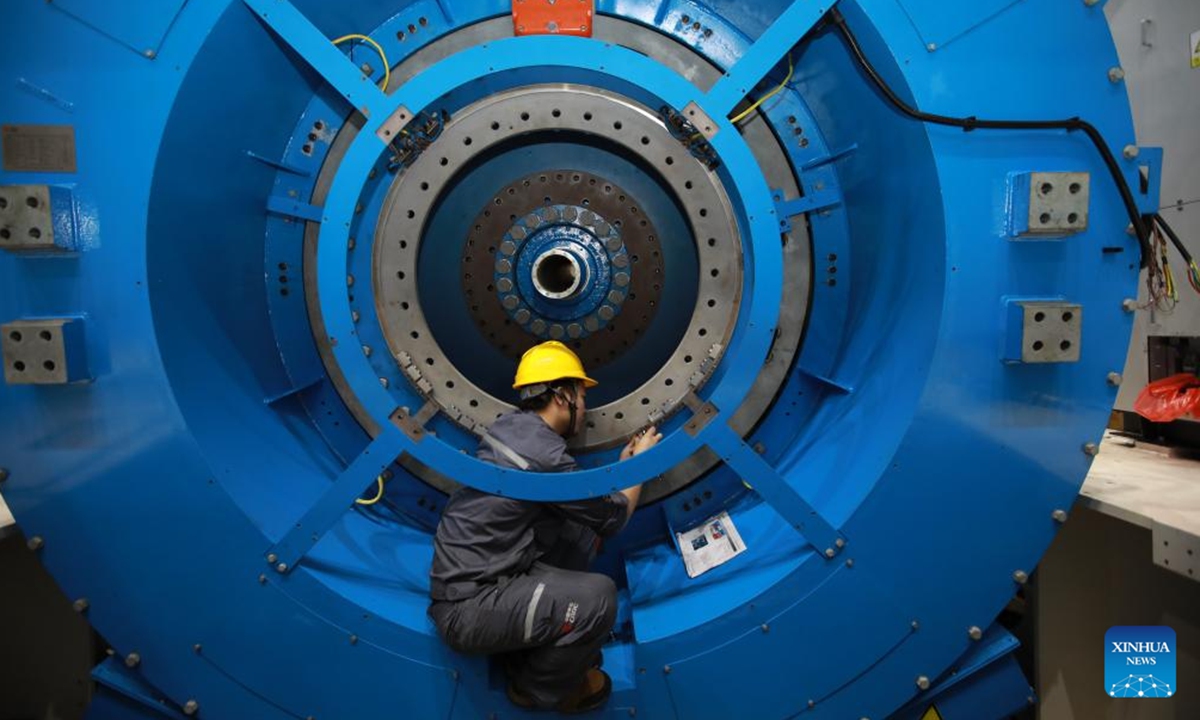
(1059, 516)
(1116, 74)
(829, 552)
(931, 47)
(190, 707)
(975, 632)
(1091, 449)
(281, 567)
(80, 605)
(1114, 378)
(367, 350)
(272, 557)
(1129, 305)
(1130, 152)
(150, 54)
(384, 382)
(923, 682)
(1020, 577)
(35, 543)
(132, 660)
(840, 542)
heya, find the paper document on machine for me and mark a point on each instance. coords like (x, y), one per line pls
(714, 542)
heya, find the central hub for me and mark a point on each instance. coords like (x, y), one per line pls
(562, 271)
(558, 274)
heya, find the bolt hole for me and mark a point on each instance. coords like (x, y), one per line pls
(35, 233)
(1065, 345)
(5, 234)
(1038, 345)
(45, 335)
(49, 365)
(587, 116)
(1044, 218)
(1074, 188)
(1067, 316)
(1073, 218)
(617, 125)
(15, 336)
(1039, 316)
(19, 366)
(32, 201)
(525, 116)
(1047, 188)
(556, 112)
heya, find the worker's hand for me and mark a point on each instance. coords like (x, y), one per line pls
(645, 440)
(627, 451)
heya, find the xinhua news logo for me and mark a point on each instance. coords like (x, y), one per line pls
(1139, 662)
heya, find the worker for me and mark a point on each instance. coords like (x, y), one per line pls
(509, 577)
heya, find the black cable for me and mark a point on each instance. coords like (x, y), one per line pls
(973, 123)
(1187, 256)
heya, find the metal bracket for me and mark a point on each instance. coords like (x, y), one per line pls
(787, 209)
(414, 425)
(292, 207)
(396, 122)
(692, 132)
(1149, 162)
(702, 414)
(553, 17)
(1176, 550)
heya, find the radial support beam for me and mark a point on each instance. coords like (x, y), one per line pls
(337, 500)
(775, 489)
(772, 46)
(295, 30)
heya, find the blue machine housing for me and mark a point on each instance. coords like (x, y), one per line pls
(198, 494)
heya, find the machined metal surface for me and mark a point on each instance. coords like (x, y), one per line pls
(26, 221)
(635, 305)
(1051, 332)
(1058, 202)
(598, 114)
(42, 351)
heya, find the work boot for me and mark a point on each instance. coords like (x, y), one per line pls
(591, 693)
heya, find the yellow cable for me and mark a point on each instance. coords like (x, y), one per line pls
(387, 68)
(378, 495)
(742, 115)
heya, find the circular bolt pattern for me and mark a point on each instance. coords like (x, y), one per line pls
(582, 200)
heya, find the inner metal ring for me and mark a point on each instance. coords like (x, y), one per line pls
(604, 116)
(558, 274)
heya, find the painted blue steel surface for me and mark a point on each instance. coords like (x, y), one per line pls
(212, 429)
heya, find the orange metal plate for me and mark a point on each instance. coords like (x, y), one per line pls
(553, 17)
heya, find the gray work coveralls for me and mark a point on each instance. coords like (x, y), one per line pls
(508, 575)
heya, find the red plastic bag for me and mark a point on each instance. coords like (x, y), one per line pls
(1170, 398)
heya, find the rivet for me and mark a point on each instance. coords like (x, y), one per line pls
(132, 660)
(1116, 74)
(975, 632)
(262, 579)
(190, 707)
(765, 627)
(1020, 577)
(916, 625)
(1130, 152)
(35, 543)
(1091, 449)
(1059, 516)
(272, 557)
(931, 47)
(281, 567)
(923, 682)
(840, 543)
(150, 54)
(829, 552)
(1114, 378)
(80, 605)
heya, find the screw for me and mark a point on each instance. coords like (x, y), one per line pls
(1021, 577)
(1130, 152)
(1116, 74)
(80, 605)
(1129, 305)
(931, 47)
(974, 632)
(1114, 378)
(35, 543)
(1059, 516)
(281, 567)
(190, 707)
(1091, 449)
(132, 660)
(923, 682)
(272, 557)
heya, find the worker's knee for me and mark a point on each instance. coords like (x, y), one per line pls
(604, 591)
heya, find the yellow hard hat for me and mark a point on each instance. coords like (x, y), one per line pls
(548, 362)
